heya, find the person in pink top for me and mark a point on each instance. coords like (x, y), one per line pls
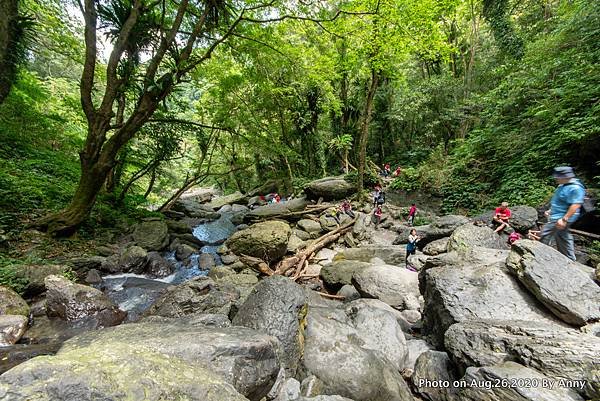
(501, 217)
(411, 214)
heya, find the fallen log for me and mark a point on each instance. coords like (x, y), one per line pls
(299, 258)
(257, 264)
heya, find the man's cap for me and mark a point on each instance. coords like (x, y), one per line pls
(563, 172)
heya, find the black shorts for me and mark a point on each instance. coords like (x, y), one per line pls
(410, 251)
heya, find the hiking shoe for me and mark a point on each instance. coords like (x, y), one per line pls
(411, 268)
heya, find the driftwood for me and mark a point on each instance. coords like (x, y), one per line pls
(297, 260)
(324, 294)
(257, 264)
(585, 234)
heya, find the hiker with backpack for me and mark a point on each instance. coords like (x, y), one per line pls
(565, 209)
(376, 193)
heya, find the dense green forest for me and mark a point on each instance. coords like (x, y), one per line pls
(116, 107)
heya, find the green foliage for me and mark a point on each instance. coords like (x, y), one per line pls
(370, 179)
(9, 276)
(409, 180)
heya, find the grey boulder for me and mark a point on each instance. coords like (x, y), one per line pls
(199, 295)
(12, 328)
(511, 381)
(556, 281)
(152, 235)
(267, 240)
(468, 236)
(278, 307)
(434, 375)
(393, 285)
(339, 273)
(440, 228)
(436, 247)
(475, 286)
(11, 303)
(329, 188)
(333, 354)
(553, 351)
(71, 301)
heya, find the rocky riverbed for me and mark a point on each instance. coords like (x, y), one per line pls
(188, 308)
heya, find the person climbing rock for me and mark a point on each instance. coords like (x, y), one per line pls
(564, 211)
(411, 248)
(377, 215)
(411, 214)
(501, 217)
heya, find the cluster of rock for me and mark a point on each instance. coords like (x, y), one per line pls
(477, 321)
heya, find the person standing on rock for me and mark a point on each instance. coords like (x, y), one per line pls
(377, 215)
(411, 247)
(564, 210)
(411, 215)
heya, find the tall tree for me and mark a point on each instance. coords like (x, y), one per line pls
(13, 29)
(174, 37)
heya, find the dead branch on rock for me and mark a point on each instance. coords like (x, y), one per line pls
(297, 261)
(257, 264)
(324, 294)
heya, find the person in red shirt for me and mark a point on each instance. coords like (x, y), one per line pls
(397, 171)
(501, 217)
(411, 214)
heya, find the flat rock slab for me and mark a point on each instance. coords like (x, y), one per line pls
(220, 201)
(277, 209)
(556, 281)
(92, 373)
(553, 351)
(472, 287)
(390, 254)
(244, 358)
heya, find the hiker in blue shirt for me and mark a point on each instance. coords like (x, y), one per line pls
(564, 210)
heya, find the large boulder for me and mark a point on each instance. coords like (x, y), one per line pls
(523, 218)
(473, 286)
(132, 259)
(278, 307)
(310, 226)
(334, 354)
(220, 201)
(390, 254)
(12, 328)
(35, 275)
(187, 361)
(380, 332)
(440, 228)
(267, 240)
(158, 266)
(151, 235)
(199, 295)
(556, 281)
(436, 247)
(469, 235)
(70, 301)
(339, 273)
(393, 285)
(512, 381)
(276, 209)
(433, 369)
(329, 188)
(195, 209)
(556, 352)
(11, 303)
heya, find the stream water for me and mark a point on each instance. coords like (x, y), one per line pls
(135, 293)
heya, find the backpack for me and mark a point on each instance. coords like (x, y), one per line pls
(588, 205)
(381, 198)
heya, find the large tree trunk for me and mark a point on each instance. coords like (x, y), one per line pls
(364, 130)
(68, 220)
(10, 34)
